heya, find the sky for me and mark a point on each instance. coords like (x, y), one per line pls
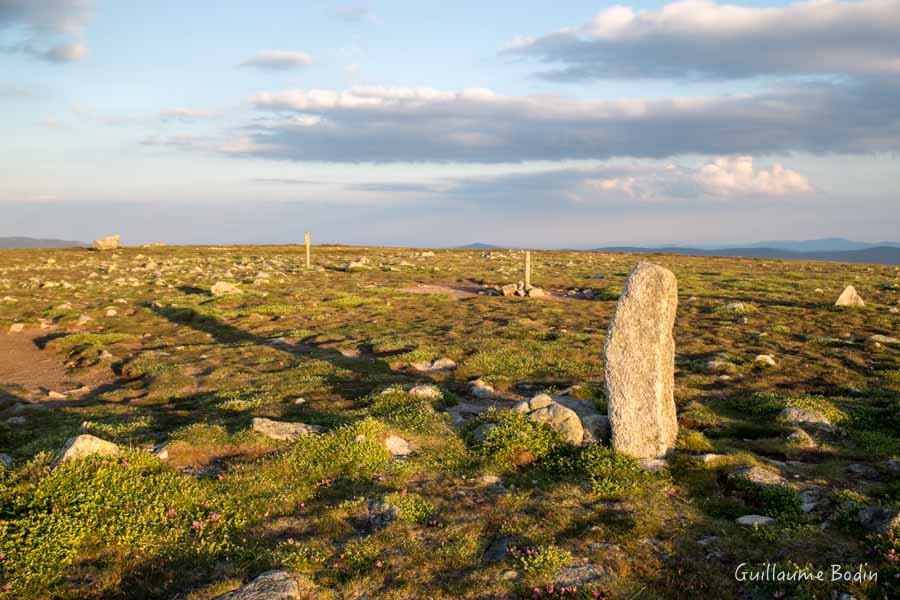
(529, 123)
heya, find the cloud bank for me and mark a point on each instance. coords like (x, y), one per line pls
(420, 124)
(705, 39)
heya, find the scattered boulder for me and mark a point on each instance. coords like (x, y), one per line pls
(893, 465)
(441, 365)
(110, 242)
(426, 392)
(720, 365)
(224, 288)
(565, 421)
(709, 457)
(271, 585)
(497, 550)
(84, 445)
(480, 433)
(875, 519)
(805, 418)
(481, 389)
(764, 360)
(16, 327)
(758, 475)
(754, 521)
(849, 297)
(397, 446)
(6, 461)
(357, 265)
(381, 513)
(862, 471)
(596, 428)
(884, 339)
(282, 430)
(509, 289)
(800, 438)
(639, 364)
(653, 465)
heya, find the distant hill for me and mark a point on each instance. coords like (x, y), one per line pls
(27, 242)
(887, 255)
(820, 245)
(479, 246)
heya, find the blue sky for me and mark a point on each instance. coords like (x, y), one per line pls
(577, 124)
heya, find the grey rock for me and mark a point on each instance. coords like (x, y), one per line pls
(6, 461)
(381, 513)
(84, 445)
(497, 550)
(480, 433)
(639, 364)
(271, 585)
(800, 438)
(426, 392)
(435, 366)
(758, 475)
(875, 519)
(862, 471)
(481, 389)
(110, 242)
(224, 288)
(579, 573)
(397, 446)
(805, 418)
(596, 429)
(884, 339)
(653, 465)
(754, 521)
(282, 430)
(565, 421)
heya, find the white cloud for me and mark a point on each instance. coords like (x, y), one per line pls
(356, 14)
(736, 175)
(65, 53)
(613, 183)
(39, 23)
(702, 38)
(186, 115)
(278, 60)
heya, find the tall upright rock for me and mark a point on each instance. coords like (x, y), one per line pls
(639, 364)
(849, 297)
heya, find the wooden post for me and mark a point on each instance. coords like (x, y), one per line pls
(527, 270)
(306, 240)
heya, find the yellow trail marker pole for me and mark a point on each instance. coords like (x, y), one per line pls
(306, 240)
(527, 270)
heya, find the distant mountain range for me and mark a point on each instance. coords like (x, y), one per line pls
(828, 249)
(27, 242)
(886, 255)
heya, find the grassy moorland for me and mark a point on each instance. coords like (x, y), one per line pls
(149, 356)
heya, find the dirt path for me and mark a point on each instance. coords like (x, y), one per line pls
(31, 372)
(456, 293)
(461, 292)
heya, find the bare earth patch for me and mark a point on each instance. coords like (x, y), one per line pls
(35, 372)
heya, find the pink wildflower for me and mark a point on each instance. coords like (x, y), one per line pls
(214, 516)
(197, 525)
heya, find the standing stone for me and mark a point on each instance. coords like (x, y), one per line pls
(110, 242)
(639, 364)
(849, 297)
